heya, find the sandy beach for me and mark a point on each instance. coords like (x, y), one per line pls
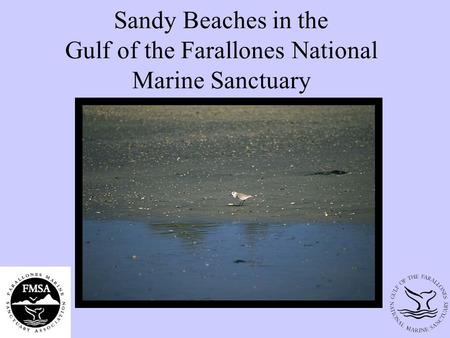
(304, 164)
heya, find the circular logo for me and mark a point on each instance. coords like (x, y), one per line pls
(418, 303)
(36, 301)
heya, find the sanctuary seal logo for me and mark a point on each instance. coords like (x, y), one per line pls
(418, 303)
(35, 302)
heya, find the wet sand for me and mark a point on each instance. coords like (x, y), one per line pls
(181, 163)
(166, 168)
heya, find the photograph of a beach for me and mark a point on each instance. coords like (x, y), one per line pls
(204, 202)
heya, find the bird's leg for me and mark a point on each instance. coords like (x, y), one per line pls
(242, 202)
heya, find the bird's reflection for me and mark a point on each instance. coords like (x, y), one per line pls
(193, 235)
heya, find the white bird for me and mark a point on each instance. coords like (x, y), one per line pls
(241, 197)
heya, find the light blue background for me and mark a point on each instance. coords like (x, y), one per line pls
(39, 85)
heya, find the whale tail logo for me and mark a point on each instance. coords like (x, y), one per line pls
(36, 312)
(422, 301)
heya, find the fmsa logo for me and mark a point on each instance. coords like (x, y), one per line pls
(35, 288)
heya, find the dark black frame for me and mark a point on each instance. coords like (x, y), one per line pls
(81, 303)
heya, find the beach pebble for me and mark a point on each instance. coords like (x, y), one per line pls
(292, 203)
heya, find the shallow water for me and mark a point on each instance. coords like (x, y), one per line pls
(129, 260)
